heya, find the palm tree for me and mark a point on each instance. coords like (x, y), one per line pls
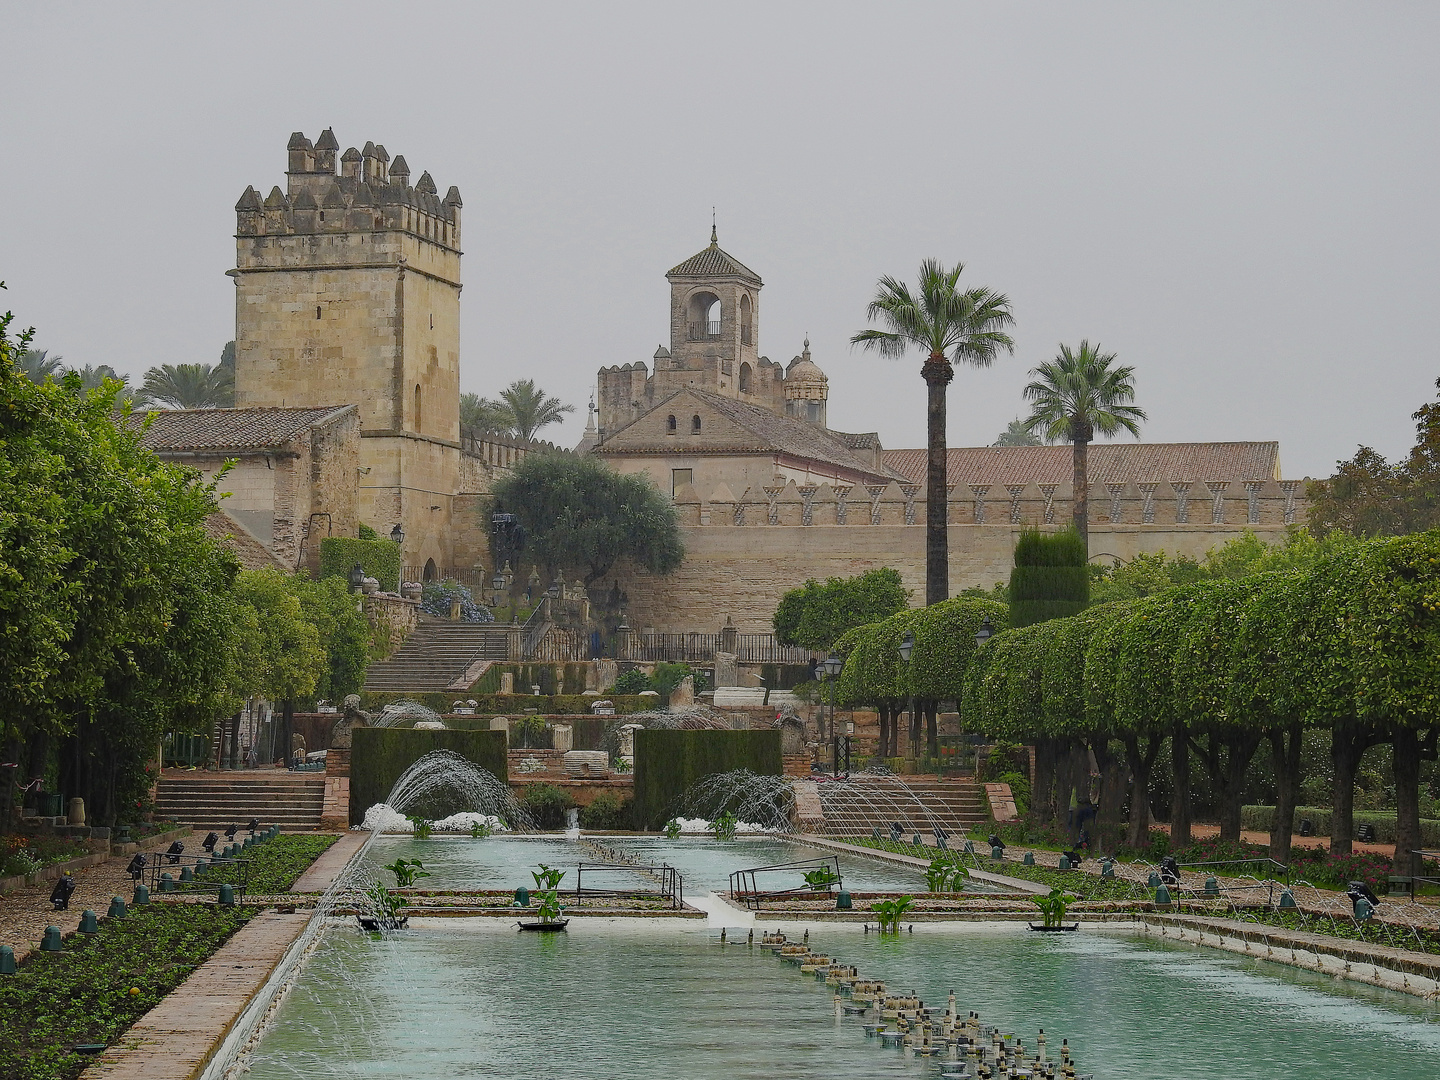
(38, 365)
(531, 408)
(969, 325)
(1075, 395)
(1017, 434)
(191, 386)
(483, 414)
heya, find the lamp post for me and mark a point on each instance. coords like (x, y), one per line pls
(832, 666)
(397, 534)
(357, 577)
(907, 648)
(985, 633)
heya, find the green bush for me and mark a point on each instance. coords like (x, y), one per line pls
(379, 558)
(1261, 818)
(668, 762)
(633, 681)
(273, 866)
(608, 811)
(547, 805)
(379, 755)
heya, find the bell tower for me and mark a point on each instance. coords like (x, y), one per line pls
(715, 321)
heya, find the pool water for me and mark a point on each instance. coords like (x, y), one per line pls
(615, 1000)
(705, 864)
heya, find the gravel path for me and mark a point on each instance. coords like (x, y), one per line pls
(25, 913)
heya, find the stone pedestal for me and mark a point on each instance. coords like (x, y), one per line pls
(77, 812)
(627, 741)
(501, 723)
(727, 669)
(563, 736)
(507, 682)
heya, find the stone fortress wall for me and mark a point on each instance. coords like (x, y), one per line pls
(742, 555)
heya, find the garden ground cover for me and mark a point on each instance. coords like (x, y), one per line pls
(274, 865)
(102, 983)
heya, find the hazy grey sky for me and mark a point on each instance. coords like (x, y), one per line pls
(1238, 199)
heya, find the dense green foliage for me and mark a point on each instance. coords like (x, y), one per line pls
(273, 865)
(668, 762)
(523, 409)
(83, 995)
(608, 811)
(115, 606)
(546, 805)
(379, 558)
(814, 616)
(379, 755)
(1050, 579)
(577, 515)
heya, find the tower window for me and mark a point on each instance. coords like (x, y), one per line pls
(745, 372)
(695, 424)
(747, 335)
(712, 320)
(417, 406)
(679, 478)
(670, 423)
(432, 320)
(317, 311)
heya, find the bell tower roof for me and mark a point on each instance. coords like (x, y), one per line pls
(712, 262)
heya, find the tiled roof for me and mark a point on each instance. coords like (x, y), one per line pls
(865, 440)
(252, 554)
(773, 433)
(1108, 463)
(712, 262)
(232, 429)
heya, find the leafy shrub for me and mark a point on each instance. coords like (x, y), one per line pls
(437, 596)
(275, 865)
(633, 681)
(547, 804)
(365, 532)
(668, 676)
(608, 811)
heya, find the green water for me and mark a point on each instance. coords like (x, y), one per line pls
(469, 998)
(705, 863)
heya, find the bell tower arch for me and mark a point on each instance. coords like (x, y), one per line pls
(714, 320)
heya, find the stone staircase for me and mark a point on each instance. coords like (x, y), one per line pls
(213, 800)
(438, 656)
(959, 805)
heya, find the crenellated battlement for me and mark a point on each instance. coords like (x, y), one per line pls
(369, 193)
(1179, 503)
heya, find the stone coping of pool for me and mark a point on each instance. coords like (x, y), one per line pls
(1014, 884)
(1408, 972)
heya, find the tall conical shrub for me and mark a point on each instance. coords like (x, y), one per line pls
(1051, 578)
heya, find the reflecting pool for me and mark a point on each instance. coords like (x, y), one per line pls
(705, 864)
(629, 999)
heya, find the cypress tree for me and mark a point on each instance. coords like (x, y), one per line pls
(1051, 578)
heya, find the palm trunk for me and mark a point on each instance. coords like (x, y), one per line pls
(937, 373)
(1080, 504)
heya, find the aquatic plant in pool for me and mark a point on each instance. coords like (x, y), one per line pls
(672, 829)
(724, 826)
(821, 879)
(889, 913)
(1054, 906)
(406, 871)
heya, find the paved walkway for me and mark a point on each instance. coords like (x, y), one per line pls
(25, 913)
(323, 871)
(1203, 832)
(174, 1040)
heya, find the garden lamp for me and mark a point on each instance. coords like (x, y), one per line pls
(832, 665)
(986, 631)
(397, 534)
(907, 646)
(357, 577)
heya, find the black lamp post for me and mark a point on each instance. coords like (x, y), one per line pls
(357, 577)
(986, 631)
(397, 534)
(832, 665)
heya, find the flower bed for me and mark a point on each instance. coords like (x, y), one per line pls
(21, 855)
(101, 984)
(274, 865)
(1373, 932)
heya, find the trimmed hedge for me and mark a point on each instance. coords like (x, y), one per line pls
(379, 755)
(1260, 818)
(1051, 578)
(380, 558)
(668, 762)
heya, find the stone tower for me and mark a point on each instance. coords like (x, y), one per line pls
(807, 389)
(347, 291)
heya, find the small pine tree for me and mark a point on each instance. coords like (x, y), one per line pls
(1051, 578)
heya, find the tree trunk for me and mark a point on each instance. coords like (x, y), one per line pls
(912, 749)
(932, 730)
(1108, 825)
(287, 728)
(882, 712)
(1285, 748)
(1141, 760)
(1347, 747)
(1072, 781)
(1042, 793)
(1226, 759)
(1180, 804)
(937, 373)
(1407, 752)
(1080, 505)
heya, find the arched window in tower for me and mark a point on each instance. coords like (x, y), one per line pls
(417, 406)
(430, 573)
(745, 376)
(747, 336)
(670, 424)
(695, 424)
(705, 313)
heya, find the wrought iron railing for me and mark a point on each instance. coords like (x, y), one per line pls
(704, 331)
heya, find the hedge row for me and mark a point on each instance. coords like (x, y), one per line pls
(1261, 818)
(380, 559)
(669, 761)
(511, 704)
(379, 755)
